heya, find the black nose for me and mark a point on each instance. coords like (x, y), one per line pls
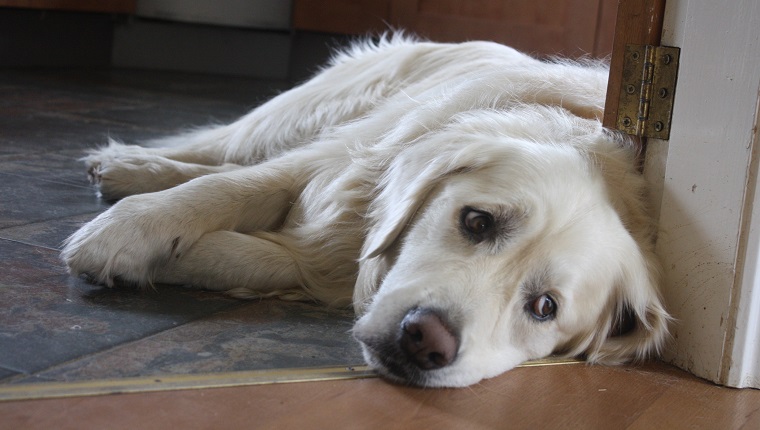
(426, 340)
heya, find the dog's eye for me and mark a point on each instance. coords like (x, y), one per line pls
(476, 223)
(542, 307)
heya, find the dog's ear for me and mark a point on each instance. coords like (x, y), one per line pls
(400, 193)
(404, 186)
(400, 196)
(637, 326)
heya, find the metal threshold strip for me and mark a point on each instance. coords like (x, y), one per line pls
(49, 390)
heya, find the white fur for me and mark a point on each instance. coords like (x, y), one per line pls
(352, 193)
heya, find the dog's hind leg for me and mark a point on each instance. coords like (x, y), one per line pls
(122, 171)
(340, 93)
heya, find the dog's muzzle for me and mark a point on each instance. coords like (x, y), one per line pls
(422, 342)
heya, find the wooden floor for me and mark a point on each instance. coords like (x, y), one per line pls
(652, 396)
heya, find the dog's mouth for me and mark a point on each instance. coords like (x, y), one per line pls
(422, 344)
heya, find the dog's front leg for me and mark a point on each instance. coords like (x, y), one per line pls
(141, 233)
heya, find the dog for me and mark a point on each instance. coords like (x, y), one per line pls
(464, 198)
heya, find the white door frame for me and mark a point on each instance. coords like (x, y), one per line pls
(706, 186)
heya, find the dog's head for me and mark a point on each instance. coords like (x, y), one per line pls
(504, 237)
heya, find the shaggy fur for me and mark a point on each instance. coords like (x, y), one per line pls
(358, 187)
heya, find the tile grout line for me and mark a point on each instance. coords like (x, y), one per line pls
(71, 184)
(26, 243)
(63, 218)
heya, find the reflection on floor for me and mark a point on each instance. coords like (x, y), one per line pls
(57, 328)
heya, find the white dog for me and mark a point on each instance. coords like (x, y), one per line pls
(464, 198)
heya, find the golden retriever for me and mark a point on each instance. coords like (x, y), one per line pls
(463, 197)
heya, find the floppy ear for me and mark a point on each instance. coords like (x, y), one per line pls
(406, 183)
(637, 326)
(401, 191)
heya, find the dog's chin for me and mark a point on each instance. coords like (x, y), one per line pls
(396, 369)
(392, 366)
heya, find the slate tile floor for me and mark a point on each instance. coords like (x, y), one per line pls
(54, 327)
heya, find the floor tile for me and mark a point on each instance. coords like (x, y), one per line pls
(26, 200)
(49, 317)
(47, 234)
(74, 109)
(267, 334)
(62, 166)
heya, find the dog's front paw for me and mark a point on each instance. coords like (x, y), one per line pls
(127, 243)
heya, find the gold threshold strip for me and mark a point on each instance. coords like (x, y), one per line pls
(49, 390)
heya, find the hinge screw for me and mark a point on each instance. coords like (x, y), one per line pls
(627, 122)
(663, 93)
(658, 126)
(630, 89)
(666, 59)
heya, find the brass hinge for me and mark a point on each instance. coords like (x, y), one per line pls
(647, 90)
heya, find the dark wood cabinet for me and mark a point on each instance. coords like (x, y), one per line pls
(111, 6)
(543, 27)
